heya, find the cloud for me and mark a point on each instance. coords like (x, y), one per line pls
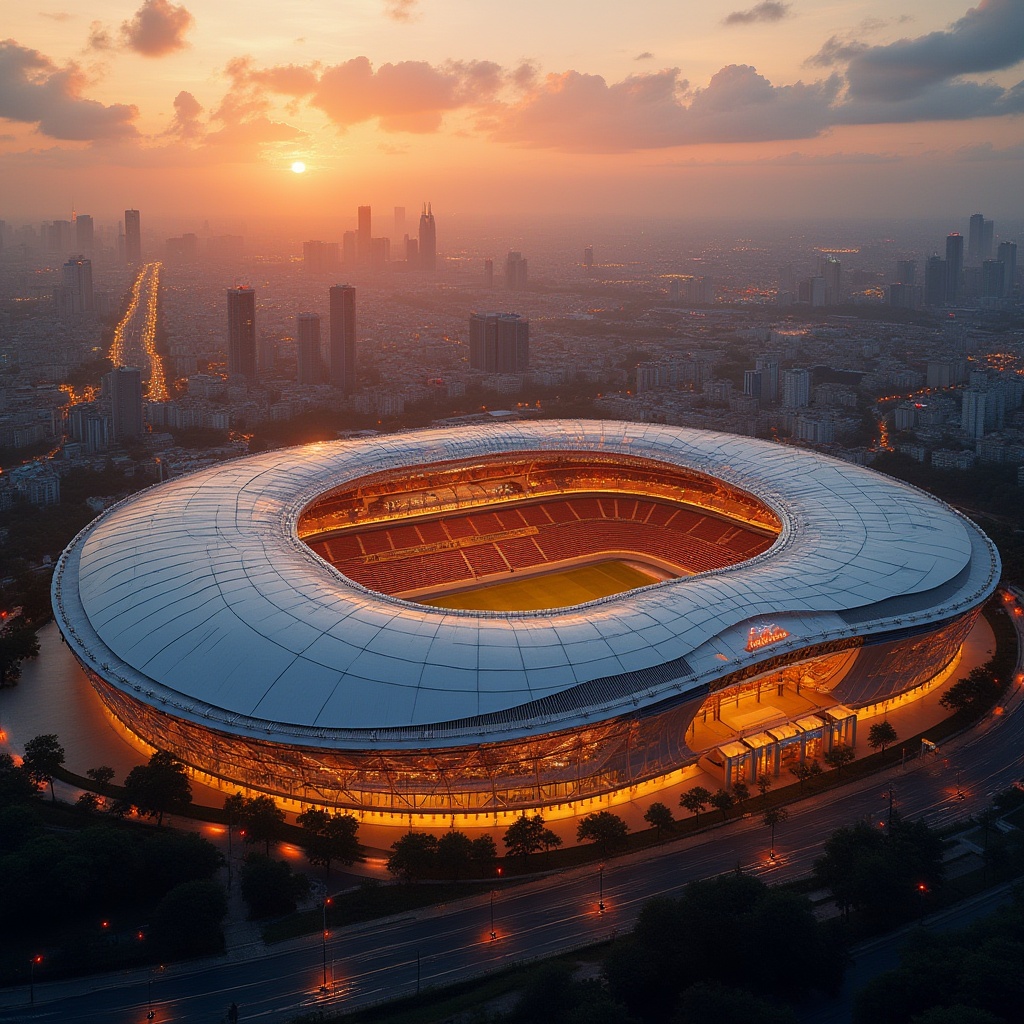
(34, 90)
(400, 10)
(945, 101)
(767, 10)
(574, 111)
(646, 55)
(987, 153)
(100, 37)
(988, 37)
(835, 51)
(410, 96)
(254, 133)
(56, 15)
(186, 124)
(157, 28)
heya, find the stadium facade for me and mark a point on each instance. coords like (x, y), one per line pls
(211, 621)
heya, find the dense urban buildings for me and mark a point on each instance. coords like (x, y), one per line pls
(499, 342)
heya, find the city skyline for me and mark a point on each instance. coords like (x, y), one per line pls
(184, 110)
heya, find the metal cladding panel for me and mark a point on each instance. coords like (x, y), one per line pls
(200, 589)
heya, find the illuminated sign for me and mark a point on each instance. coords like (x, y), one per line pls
(765, 636)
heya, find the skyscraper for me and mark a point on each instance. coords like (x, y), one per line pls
(499, 342)
(954, 266)
(84, 233)
(935, 281)
(974, 233)
(363, 235)
(122, 387)
(906, 270)
(768, 367)
(796, 388)
(76, 286)
(310, 370)
(1007, 255)
(515, 271)
(428, 240)
(242, 332)
(342, 348)
(832, 272)
(132, 237)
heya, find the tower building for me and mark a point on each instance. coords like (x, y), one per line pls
(76, 286)
(310, 368)
(515, 271)
(499, 342)
(954, 266)
(364, 244)
(428, 240)
(242, 332)
(342, 347)
(132, 237)
(122, 387)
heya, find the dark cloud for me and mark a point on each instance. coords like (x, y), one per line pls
(946, 101)
(988, 37)
(987, 153)
(835, 51)
(157, 28)
(410, 96)
(100, 37)
(34, 90)
(646, 55)
(767, 10)
(400, 10)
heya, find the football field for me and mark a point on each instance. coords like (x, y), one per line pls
(557, 590)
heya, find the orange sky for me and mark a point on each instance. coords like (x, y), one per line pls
(198, 110)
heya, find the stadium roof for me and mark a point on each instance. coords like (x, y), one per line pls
(198, 595)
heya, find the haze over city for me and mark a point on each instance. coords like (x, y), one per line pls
(725, 110)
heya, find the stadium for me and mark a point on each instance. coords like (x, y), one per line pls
(513, 617)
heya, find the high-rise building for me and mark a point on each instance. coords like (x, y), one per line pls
(310, 368)
(796, 388)
(974, 233)
(832, 272)
(363, 235)
(428, 240)
(906, 271)
(76, 286)
(122, 387)
(954, 266)
(752, 381)
(242, 332)
(488, 273)
(350, 248)
(935, 281)
(84, 233)
(992, 276)
(768, 367)
(1007, 255)
(588, 257)
(132, 237)
(515, 271)
(398, 230)
(973, 411)
(499, 342)
(342, 346)
(988, 232)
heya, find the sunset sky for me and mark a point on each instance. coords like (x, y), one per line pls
(850, 107)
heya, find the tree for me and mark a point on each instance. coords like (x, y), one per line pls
(187, 921)
(454, 852)
(16, 645)
(413, 856)
(261, 820)
(765, 781)
(839, 756)
(484, 854)
(659, 817)
(102, 776)
(741, 791)
(715, 1003)
(974, 692)
(722, 800)
(804, 771)
(695, 800)
(270, 887)
(159, 787)
(775, 816)
(524, 836)
(604, 828)
(16, 785)
(43, 756)
(330, 837)
(881, 734)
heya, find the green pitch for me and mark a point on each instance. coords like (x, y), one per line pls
(557, 590)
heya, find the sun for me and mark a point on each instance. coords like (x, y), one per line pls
(299, 167)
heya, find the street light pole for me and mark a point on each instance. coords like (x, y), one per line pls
(494, 934)
(323, 984)
(32, 979)
(600, 889)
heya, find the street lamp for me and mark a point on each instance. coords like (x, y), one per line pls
(600, 889)
(32, 979)
(323, 984)
(494, 934)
